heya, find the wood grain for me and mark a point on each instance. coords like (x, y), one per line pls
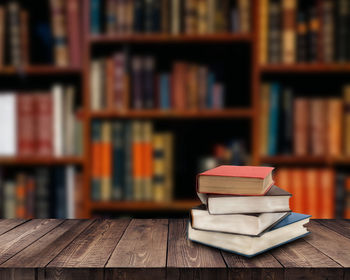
(17, 273)
(93, 247)
(329, 242)
(189, 260)
(20, 237)
(340, 226)
(143, 244)
(42, 251)
(8, 224)
(71, 274)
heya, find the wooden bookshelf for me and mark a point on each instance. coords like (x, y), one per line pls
(176, 205)
(41, 160)
(40, 70)
(306, 68)
(159, 114)
(165, 38)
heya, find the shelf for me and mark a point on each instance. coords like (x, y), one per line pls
(39, 70)
(306, 68)
(40, 161)
(154, 114)
(176, 205)
(302, 160)
(166, 38)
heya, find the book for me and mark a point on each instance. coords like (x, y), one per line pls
(346, 138)
(8, 123)
(68, 120)
(74, 35)
(246, 224)
(289, 8)
(318, 122)
(26, 142)
(275, 200)
(30, 198)
(118, 175)
(137, 160)
(334, 126)
(313, 205)
(70, 191)
(21, 196)
(302, 37)
(9, 205)
(301, 126)
(14, 32)
(147, 160)
(42, 193)
(288, 230)
(328, 31)
(244, 180)
(44, 124)
(273, 119)
(274, 32)
(58, 122)
(159, 167)
(95, 27)
(128, 188)
(2, 36)
(263, 23)
(106, 161)
(342, 29)
(315, 47)
(327, 190)
(96, 163)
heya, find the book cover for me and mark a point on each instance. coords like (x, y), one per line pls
(74, 29)
(301, 126)
(289, 8)
(8, 124)
(95, 27)
(118, 165)
(147, 160)
(274, 32)
(26, 134)
(273, 119)
(106, 161)
(96, 163)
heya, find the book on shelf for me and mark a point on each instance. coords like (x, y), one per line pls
(228, 179)
(287, 230)
(40, 193)
(122, 82)
(170, 16)
(305, 126)
(40, 124)
(137, 161)
(292, 31)
(347, 198)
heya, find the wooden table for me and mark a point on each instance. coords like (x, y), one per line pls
(156, 249)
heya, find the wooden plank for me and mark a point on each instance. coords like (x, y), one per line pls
(143, 245)
(20, 237)
(329, 242)
(92, 248)
(8, 224)
(15, 274)
(42, 251)
(71, 274)
(340, 226)
(189, 260)
(264, 266)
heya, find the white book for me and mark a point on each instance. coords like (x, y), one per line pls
(8, 124)
(58, 132)
(96, 85)
(247, 224)
(70, 193)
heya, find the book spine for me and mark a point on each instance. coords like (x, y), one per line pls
(244, 15)
(110, 84)
(118, 174)
(165, 16)
(106, 162)
(343, 11)
(313, 193)
(95, 27)
(334, 129)
(175, 17)
(96, 168)
(192, 87)
(59, 32)
(24, 37)
(288, 34)
(314, 31)
(137, 160)
(179, 85)
(110, 16)
(60, 193)
(147, 168)
(273, 118)
(68, 120)
(21, 197)
(169, 171)
(286, 125)
(70, 191)
(210, 86)
(202, 86)
(119, 82)
(211, 16)
(346, 137)
(44, 122)
(302, 30)
(9, 200)
(58, 133)
(42, 194)
(218, 96)
(138, 16)
(149, 67)
(148, 16)
(164, 91)
(2, 36)
(159, 191)
(13, 9)
(30, 198)
(25, 125)
(264, 23)
(274, 32)
(128, 148)
(129, 14)
(301, 126)
(190, 17)
(8, 124)
(264, 119)
(328, 30)
(318, 121)
(340, 195)
(73, 27)
(137, 85)
(327, 193)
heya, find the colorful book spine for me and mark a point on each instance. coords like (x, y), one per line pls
(165, 94)
(334, 129)
(328, 30)
(346, 138)
(58, 115)
(44, 111)
(263, 36)
(274, 32)
(118, 175)
(96, 168)
(128, 189)
(301, 126)
(137, 160)
(159, 167)
(95, 27)
(74, 35)
(289, 8)
(273, 118)
(13, 15)
(21, 197)
(106, 161)
(25, 125)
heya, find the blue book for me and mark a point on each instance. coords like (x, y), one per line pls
(164, 86)
(273, 119)
(287, 230)
(209, 97)
(118, 160)
(95, 27)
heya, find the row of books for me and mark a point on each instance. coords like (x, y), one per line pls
(170, 16)
(40, 123)
(130, 161)
(243, 212)
(316, 191)
(304, 126)
(65, 33)
(304, 31)
(189, 86)
(41, 193)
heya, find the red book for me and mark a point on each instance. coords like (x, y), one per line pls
(236, 180)
(43, 104)
(73, 23)
(25, 125)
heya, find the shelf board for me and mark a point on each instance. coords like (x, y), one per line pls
(154, 114)
(302, 160)
(168, 38)
(39, 70)
(306, 68)
(176, 205)
(40, 160)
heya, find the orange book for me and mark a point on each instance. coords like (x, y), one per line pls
(110, 83)
(327, 190)
(334, 131)
(347, 199)
(313, 193)
(297, 190)
(21, 197)
(106, 161)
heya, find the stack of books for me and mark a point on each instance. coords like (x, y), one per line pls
(243, 211)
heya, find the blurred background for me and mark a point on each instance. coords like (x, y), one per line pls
(110, 108)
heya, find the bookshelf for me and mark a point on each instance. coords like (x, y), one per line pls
(246, 116)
